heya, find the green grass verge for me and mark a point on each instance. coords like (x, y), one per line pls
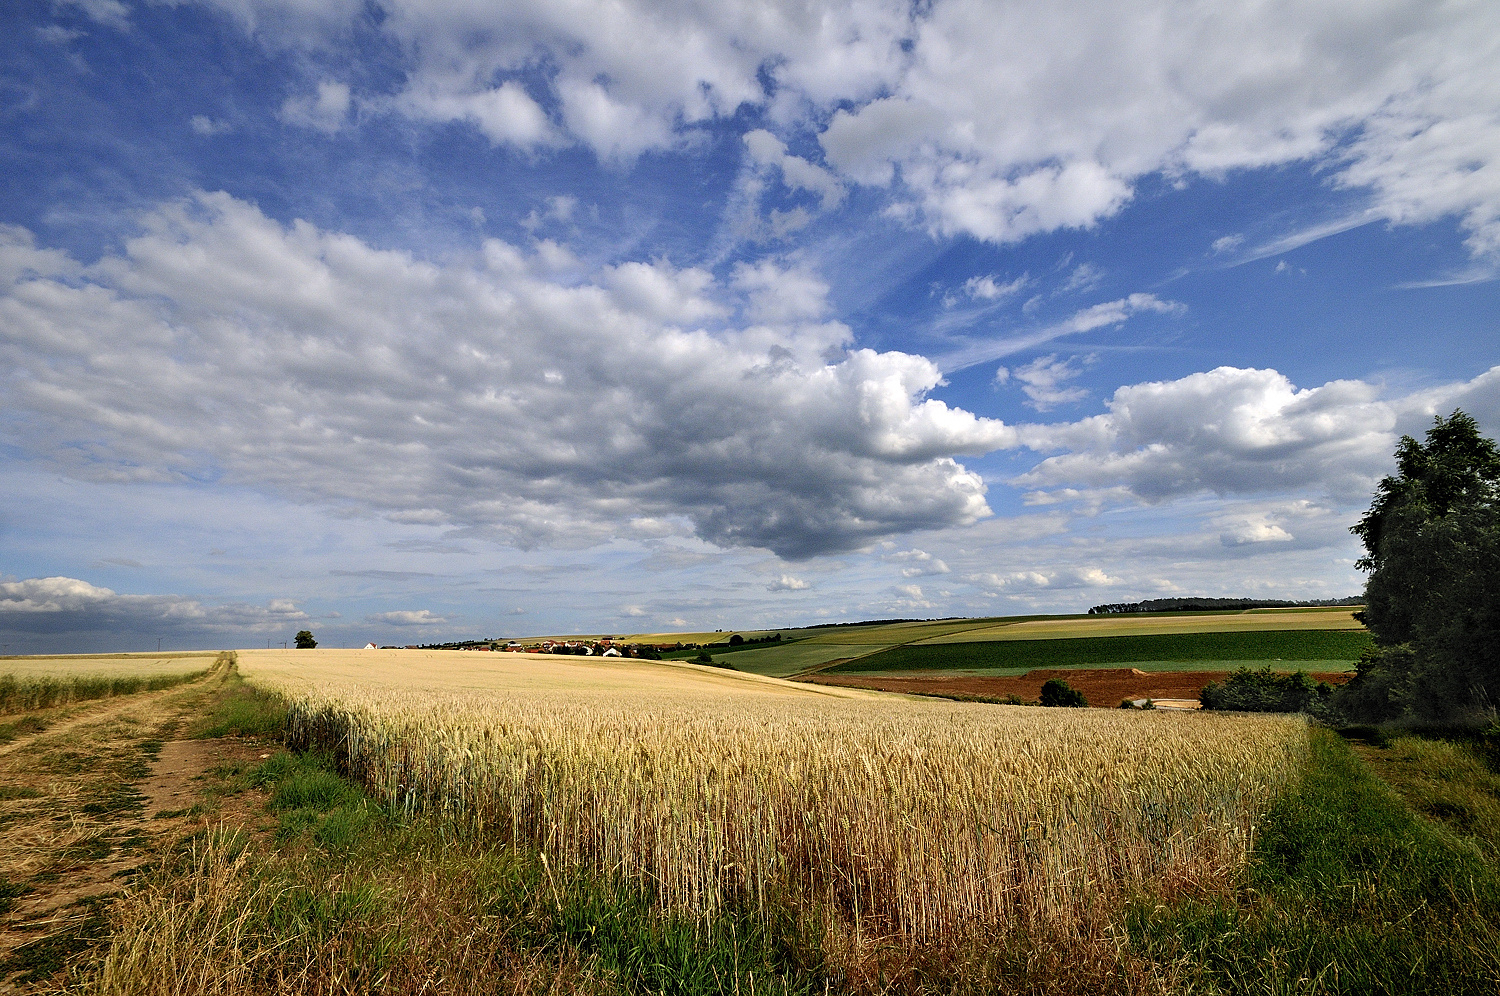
(1447, 776)
(1348, 891)
(241, 710)
(1292, 647)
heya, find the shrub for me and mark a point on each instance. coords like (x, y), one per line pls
(1248, 690)
(1057, 692)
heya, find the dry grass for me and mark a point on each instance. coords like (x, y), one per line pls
(923, 822)
(227, 920)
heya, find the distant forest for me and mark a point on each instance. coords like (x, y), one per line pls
(1217, 604)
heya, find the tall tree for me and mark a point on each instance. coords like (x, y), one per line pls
(1432, 547)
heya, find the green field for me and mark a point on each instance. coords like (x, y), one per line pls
(1296, 647)
(786, 658)
(1158, 641)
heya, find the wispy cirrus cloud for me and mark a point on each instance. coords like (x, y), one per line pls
(1096, 316)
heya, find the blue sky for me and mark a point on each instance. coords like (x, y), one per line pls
(412, 321)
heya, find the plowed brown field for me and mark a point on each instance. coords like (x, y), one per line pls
(1104, 687)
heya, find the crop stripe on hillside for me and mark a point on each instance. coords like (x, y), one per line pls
(1288, 645)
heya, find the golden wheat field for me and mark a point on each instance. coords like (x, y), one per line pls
(896, 817)
(107, 665)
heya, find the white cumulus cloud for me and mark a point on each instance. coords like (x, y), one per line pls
(987, 289)
(477, 395)
(996, 119)
(1232, 431)
(407, 617)
(918, 563)
(797, 173)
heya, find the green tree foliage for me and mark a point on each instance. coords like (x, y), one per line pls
(305, 640)
(1057, 692)
(1432, 542)
(704, 657)
(1247, 690)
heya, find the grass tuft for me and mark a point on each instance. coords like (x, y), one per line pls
(44, 957)
(243, 711)
(22, 727)
(9, 893)
(8, 792)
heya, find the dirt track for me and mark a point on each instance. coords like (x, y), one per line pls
(91, 798)
(1103, 687)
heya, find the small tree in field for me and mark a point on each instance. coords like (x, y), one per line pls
(305, 640)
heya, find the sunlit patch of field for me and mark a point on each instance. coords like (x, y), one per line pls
(457, 671)
(784, 659)
(1157, 624)
(879, 816)
(106, 665)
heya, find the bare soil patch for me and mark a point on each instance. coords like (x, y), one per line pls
(1103, 687)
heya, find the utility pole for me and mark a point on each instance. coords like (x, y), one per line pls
(158, 644)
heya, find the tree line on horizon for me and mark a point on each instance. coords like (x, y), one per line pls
(1194, 604)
